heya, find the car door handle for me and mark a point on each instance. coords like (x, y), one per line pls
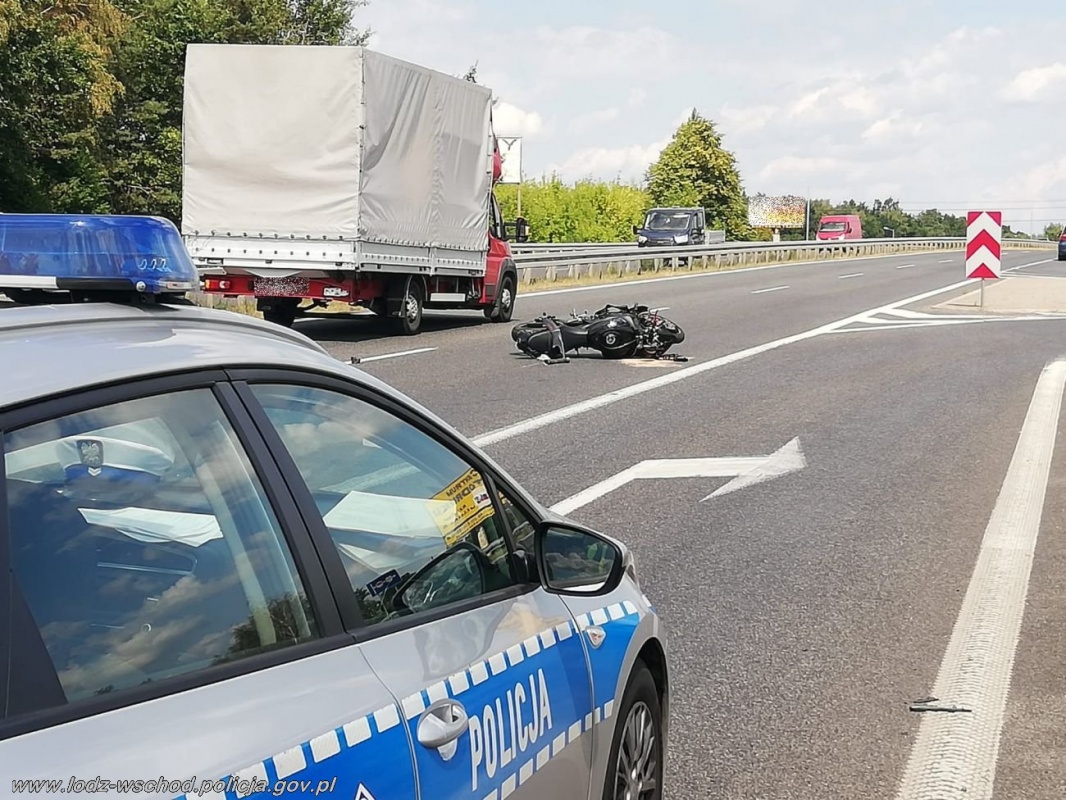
(442, 724)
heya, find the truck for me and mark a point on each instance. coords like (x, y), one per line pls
(836, 227)
(317, 174)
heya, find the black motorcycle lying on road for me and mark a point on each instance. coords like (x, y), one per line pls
(615, 331)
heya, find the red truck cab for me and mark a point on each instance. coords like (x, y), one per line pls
(837, 227)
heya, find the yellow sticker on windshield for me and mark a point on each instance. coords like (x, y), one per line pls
(466, 505)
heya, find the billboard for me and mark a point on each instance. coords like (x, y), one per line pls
(786, 211)
(511, 153)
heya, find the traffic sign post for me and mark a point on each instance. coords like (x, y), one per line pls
(984, 237)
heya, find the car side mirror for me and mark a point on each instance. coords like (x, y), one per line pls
(636, 230)
(575, 561)
(460, 573)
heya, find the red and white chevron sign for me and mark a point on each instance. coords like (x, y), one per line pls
(984, 234)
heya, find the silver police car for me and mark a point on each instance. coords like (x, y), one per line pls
(234, 566)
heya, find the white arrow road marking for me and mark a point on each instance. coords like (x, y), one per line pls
(744, 471)
(788, 459)
(955, 754)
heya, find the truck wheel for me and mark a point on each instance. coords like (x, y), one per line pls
(409, 322)
(635, 766)
(503, 309)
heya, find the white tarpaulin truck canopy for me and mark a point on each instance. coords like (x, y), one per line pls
(324, 142)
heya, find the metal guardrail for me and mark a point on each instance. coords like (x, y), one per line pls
(716, 237)
(596, 260)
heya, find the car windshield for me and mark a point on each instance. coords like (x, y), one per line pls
(667, 221)
(833, 227)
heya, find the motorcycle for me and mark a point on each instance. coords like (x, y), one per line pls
(614, 331)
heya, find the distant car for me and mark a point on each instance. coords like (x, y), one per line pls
(1062, 245)
(839, 227)
(234, 566)
(669, 227)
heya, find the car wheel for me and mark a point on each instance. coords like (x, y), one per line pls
(635, 766)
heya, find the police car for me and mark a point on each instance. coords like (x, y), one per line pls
(234, 566)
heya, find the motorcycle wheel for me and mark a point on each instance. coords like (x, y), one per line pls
(625, 352)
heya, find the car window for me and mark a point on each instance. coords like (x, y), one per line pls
(522, 527)
(144, 545)
(414, 523)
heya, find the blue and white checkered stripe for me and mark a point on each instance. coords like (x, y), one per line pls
(294, 762)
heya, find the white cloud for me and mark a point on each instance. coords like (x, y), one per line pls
(1034, 84)
(892, 127)
(510, 120)
(808, 103)
(746, 120)
(872, 105)
(1042, 181)
(789, 166)
(628, 163)
(594, 119)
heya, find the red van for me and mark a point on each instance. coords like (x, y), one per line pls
(839, 226)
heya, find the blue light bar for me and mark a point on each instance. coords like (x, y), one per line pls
(94, 254)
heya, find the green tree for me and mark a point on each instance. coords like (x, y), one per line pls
(143, 137)
(1053, 231)
(693, 170)
(55, 87)
(588, 211)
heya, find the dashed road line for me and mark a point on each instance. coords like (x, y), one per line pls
(771, 289)
(851, 275)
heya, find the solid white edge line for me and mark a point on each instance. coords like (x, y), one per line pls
(717, 273)
(396, 355)
(771, 289)
(955, 754)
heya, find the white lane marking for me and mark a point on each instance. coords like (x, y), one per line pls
(584, 406)
(1026, 266)
(905, 266)
(693, 275)
(851, 275)
(365, 359)
(771, 289)
(946, 260)
(745, 472)
(955, 754)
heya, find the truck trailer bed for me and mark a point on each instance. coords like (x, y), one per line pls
(321, 160)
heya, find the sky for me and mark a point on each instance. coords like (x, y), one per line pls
(954, 104)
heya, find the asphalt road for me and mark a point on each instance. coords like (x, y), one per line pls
(478, 382)
(807, 612)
